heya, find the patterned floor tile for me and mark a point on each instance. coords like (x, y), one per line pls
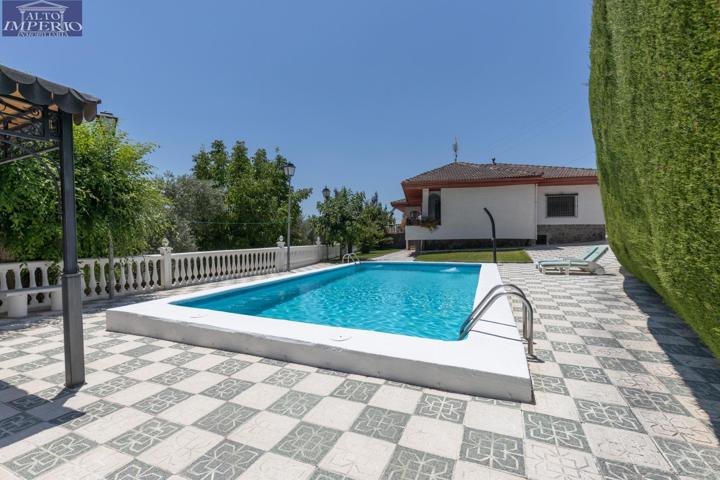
(625, 446)
(229, 367)
(161, 401)
(173, 376)
(226, 461)
(549, 462)
(691, 459)
(226, 418)
(356, 390)
(286, 377)
(442, 408)
(181, 358)
(129, 366)
(307, 443)
(547, 383)
(381, 423)
(295, 404)
(616, 416)
(50, 455)
(87, 414)
(613, 470)
(137, 470)
(662, 402)
(227, 389)
(144, 436)
(16, 423)
(493, 450)
(555, 430)
(111, 386)
(413, 464)
(587, 374)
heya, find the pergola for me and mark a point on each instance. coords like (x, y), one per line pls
(36, 118)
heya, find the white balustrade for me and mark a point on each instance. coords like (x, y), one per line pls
(148, 273)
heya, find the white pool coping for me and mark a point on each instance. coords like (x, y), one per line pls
(490, 362)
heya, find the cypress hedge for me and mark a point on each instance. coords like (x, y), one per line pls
(655, 107)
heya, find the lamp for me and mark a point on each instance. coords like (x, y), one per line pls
(108, 119)
(326, 193)
(289, 170)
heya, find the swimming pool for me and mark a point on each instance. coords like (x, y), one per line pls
(415, 299)
(399, 321)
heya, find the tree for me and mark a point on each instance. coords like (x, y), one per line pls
(114, 194)
(249, 199)
(347, 217)
(196, 213)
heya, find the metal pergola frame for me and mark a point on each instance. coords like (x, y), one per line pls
(36, 118)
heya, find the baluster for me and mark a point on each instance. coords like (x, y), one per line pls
(130, 275)
(120, 284)
(180, 276)
(154, 277)
(102, 282)
(140, 277)
(92, 283)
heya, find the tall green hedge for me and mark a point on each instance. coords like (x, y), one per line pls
(655, 106)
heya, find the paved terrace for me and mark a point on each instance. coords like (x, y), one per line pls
(624, 390)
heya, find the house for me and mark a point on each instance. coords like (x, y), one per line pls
(443, 208)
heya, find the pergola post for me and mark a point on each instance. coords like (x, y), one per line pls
(71, 277)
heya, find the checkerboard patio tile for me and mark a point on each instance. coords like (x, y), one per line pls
(624, 390)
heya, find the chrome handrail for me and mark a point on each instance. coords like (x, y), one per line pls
(351, 257)
(487, 296)
(489, 300)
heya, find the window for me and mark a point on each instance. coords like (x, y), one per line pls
(562, 205)
(434, 207)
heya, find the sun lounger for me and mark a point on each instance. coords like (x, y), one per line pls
(585, 264)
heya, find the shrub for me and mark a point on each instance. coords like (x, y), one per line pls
(655, 106)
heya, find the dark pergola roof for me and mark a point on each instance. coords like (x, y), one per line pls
(30, 110)
(40, 92)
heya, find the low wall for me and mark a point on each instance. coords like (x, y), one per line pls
(570, 233)
(146, 273)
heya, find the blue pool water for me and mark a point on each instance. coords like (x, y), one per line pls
(421, 299)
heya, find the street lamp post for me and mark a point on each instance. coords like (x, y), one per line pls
(110, 121)
(326, 196)
(289, 172)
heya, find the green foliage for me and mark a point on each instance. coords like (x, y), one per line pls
(347, 217)
(114, 194)
(655, 103)
(196, 212)
(233, 201)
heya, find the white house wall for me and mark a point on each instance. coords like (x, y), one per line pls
(589, 208)
(517, 209)
(463, 216)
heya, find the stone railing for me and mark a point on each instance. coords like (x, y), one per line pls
(147, 273)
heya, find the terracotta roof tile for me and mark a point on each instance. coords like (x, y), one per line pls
(464, 172)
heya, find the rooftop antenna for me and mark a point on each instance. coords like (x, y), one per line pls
(456, 147)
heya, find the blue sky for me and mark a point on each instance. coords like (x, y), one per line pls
(356, 93)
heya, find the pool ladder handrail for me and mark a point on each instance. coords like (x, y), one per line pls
(489, 299)
(351, 257)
